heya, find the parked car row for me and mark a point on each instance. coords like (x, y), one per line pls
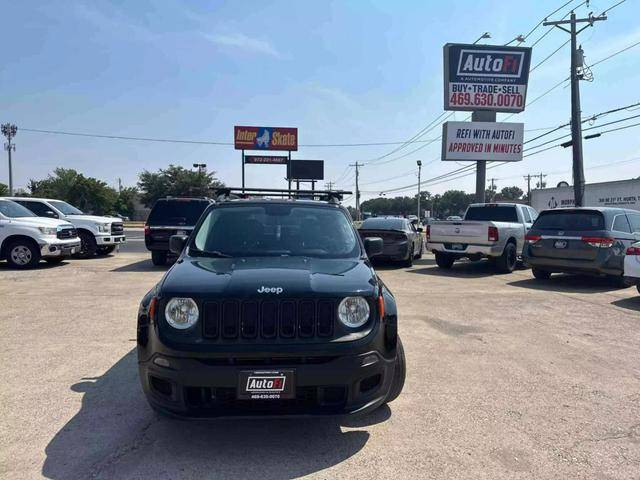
(34, 229)
(594, 241)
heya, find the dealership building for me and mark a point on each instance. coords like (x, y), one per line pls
(621, 194)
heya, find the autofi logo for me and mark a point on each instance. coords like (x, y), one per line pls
(264, 384)
(490, 63)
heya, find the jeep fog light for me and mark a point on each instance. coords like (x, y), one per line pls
(181, 313)
(353, 311)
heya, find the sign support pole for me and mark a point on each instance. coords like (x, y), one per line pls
(289, 172)
(242, 171)
(481, 165)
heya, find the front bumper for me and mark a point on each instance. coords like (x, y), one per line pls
(110, 239)
(207, 387)
(59, 248)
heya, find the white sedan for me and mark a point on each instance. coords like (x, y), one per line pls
(632, 264)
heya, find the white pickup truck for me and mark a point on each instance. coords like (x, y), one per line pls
(26, 238)
(489, 230)
(98, 235)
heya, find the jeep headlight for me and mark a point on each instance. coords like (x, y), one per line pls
(48, 230)
(353, 312)
(181, 313)
(104, 227)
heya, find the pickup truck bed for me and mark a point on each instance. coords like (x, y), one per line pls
(494, 231)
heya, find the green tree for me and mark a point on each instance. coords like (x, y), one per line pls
(511, 193)
(125, 202)
(454, 202)
(175, 181)
(4, 190)
(87, 193)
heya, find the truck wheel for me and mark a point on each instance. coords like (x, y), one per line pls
(158, 257)
(409, 261)
(106, 250)
(88, 245)
(399, 374)
(444, 260)
(506, 263)
(540, 274)
(23, 254)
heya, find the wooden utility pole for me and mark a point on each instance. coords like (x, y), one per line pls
(576, 76)
(357, 165)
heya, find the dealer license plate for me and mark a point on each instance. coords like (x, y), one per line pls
(560, 244)
(457, 246)
(266, 385)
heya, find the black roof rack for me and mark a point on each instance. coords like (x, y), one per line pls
(227, 193)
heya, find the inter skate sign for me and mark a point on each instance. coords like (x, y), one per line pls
(485, 77)
(265, 138)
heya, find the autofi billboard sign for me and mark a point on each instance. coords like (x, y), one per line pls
(485, 77)
(495, 141)
(265, 138)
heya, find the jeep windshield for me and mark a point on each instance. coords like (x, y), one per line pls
(275, 230)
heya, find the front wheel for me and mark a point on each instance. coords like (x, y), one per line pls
(444, 260)
(506, 263)
(399, 374)
(621, 281)
(106, 249)
(88, 245)
(23, 254)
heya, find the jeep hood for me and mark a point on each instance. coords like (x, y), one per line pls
(244, 276)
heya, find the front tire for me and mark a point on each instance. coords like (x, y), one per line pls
(444, 260)
(158, 257)
(399, 374)
(23, 254)
(621, 282)
(506, 263)
(540, 274)
(88, 245)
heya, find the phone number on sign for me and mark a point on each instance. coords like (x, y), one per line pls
(509, 100)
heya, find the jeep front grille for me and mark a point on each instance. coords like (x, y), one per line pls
(237, 320)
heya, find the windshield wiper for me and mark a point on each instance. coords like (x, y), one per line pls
(213, 253)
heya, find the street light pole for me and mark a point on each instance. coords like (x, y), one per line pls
(9, 130)
(419, 162)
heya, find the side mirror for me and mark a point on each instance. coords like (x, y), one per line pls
(51, 214)
(373, 246)
(420, 229)
(177, 243)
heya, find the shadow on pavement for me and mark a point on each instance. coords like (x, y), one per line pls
(115, 434)
(461, 268)
(43, 265)
(383, 265)
(569, 284)
(143, 266)
(632, 303)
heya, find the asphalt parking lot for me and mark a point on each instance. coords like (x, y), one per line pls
(508, 377)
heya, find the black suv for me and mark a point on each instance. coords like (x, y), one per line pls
(171, 216)
(273, 307)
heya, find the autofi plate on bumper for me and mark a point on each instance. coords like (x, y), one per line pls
(266, 385)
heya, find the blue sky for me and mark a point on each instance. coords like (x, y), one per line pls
(342, 72)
